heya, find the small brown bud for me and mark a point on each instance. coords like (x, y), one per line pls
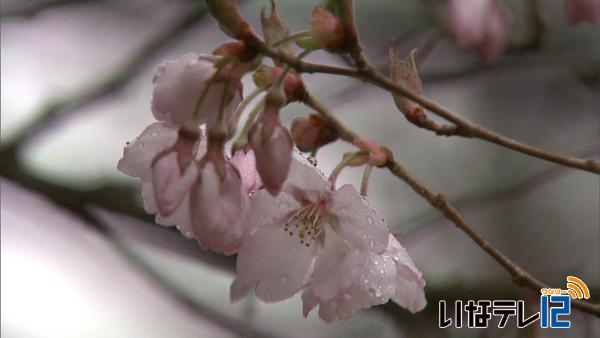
(329, 31)
(311, 133)
(265, 76)
(238, 50)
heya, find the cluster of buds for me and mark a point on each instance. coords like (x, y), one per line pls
(291, 228)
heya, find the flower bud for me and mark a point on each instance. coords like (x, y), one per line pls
(272, 144)
(311, 133)
(329, 31)
(582, 10)
(293, 87)
(239, 58)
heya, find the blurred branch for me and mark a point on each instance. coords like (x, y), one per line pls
(480, 201)
(30, 9)
(113, 82)
(169, 288)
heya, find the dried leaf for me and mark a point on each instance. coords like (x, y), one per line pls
(404, 72)
(274, 30)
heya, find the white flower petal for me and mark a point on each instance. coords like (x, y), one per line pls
(217, 209)
(266, 209)
(274, 261)
(139, 153)
(304, 174)
(336, 267)
(356, 221)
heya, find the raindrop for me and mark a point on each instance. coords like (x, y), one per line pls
(369, 220)
(378, 293)
(284, 278)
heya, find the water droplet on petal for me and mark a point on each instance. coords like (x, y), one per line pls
(284, 278)
(378, 293)
(369, 220)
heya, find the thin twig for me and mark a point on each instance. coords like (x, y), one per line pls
(465, 125)
(112, 83)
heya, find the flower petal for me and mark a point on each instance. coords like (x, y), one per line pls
(304, 174)
(217, 208)
(409, 284)
(180, 218)
(139, 153)
(336, 267)
(274, 261)
(272, 145)
(309, 301)
(266, 209)
(170, 186)
(356, 221)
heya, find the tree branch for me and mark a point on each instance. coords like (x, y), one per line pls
(467, 127)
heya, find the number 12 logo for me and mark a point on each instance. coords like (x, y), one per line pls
(550, 313)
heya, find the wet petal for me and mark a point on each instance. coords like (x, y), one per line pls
(217, 209)
(274, 261)
(266, 209)
(245, 162)
(139, 153)
(336, 267)
(356, 221)
(170, 185)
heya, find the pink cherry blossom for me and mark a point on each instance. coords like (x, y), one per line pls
(272, 145)
(582, 10)
(245, 162)
(138, 158)
(388, 275)
(185, 93)
(218, 204)
(303, 234)
(481, 24)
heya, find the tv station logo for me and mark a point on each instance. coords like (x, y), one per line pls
(555, 307)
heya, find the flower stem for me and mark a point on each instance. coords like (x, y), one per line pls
(343, 164)
(364, 184)
(242, 139)
(240, 109)
(293, 37)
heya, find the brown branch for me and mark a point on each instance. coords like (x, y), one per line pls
(112, 83)
(466, 126)
(439, 202)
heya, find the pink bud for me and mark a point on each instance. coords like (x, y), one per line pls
(245, 162)
(173, 174)
(481, 24)
(272, 145)
(311, 133)
(328, 30)
(582, 10)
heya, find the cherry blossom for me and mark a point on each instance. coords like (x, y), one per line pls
(185, 92)
(272, 144)
(304, 233)
(582, 10)
(481, 24)
(388, 275)
(245, 162)
(218, 204)
(138, 159)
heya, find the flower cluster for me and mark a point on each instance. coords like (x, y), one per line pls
(291, 228)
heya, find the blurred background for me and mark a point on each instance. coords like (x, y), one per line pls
(81, 259)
